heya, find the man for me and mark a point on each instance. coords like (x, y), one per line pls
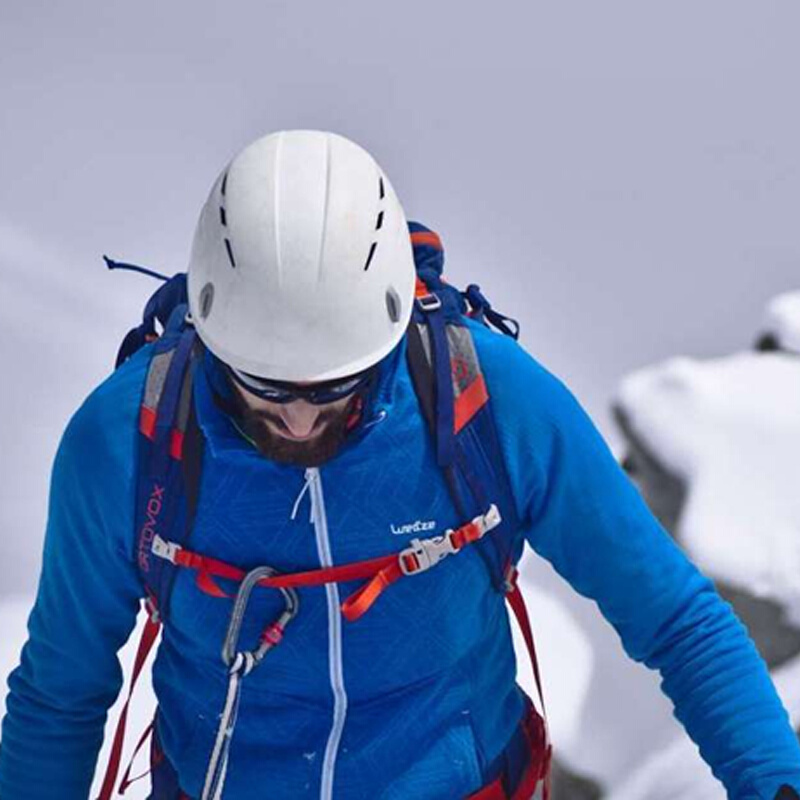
(301, 288)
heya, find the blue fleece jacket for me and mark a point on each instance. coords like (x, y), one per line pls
(418, 697)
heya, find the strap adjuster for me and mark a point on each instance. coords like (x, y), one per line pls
(429, 302)
(510, 581)
(164, 549)
(152, 609)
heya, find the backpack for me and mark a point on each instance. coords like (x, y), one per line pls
(454, 400)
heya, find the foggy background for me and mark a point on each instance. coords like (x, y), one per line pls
(622, 177)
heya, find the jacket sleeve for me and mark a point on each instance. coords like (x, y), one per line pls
(588, 520)
(85, 609)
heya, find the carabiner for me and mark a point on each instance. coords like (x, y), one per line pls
(271, 634)
(241, 663)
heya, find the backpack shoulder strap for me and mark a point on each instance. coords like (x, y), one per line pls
(170, 456)
(455, 401)
(170, 452)
(454, 398)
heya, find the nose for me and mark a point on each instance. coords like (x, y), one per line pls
(299, 417)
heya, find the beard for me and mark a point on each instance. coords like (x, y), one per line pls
(333, 426)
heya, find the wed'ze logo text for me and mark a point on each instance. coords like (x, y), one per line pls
(152, 511)
(414, 527)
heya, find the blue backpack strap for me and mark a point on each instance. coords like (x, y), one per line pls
(454, 398)
(482, 311)
(170, 456)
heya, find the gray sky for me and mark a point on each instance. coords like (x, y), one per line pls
(624, 177)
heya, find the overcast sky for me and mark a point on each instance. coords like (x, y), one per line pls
(624, 177)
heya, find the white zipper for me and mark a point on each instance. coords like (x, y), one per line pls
(314, 479)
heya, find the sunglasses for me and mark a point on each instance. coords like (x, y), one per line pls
(285, 392)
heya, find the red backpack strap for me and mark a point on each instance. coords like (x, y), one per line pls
(535, 727)
(517, 602)
(127, 781)
(149, 635)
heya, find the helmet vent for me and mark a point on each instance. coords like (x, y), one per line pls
(393, 304)
(223, 218)
(206, 300)
(378, 225)
(369, 257)
(230, 252)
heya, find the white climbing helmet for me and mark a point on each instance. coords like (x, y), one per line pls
(301, 267)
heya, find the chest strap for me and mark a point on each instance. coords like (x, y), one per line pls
(380, 573)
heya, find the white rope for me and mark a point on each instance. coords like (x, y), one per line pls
(218, 763)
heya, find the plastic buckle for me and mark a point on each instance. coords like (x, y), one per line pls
(427, 552)
(429, 302)
(163, 549)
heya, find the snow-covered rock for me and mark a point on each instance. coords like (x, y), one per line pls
(730, 427)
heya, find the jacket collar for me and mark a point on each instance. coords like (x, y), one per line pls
(213, 398)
